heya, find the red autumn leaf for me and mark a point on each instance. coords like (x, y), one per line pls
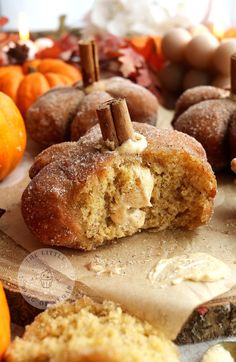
(130, 61)
(144, 77)
(53, 52)
(3, 20)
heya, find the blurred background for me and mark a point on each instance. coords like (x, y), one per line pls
(166, 46)
(121, 17)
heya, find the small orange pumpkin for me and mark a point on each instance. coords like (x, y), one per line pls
(12, 136)
(5, 332)
(24, 84)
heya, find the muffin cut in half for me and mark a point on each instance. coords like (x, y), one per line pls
(82, 194)
(85, 331)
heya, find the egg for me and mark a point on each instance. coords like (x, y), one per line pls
(221, 59)
(221, 81)
(200, 50)
(169, 102)
(171, 76)
(195, 77)
(174, 43)
(198, 29)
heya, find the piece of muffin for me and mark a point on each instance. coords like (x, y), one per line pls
(82, 195)
(196, 95)
(67, 113)
(209, 122)
(86, 331)
(209, 115)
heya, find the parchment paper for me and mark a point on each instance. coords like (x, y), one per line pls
(132, 258)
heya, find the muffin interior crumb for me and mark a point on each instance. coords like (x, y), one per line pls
(90, 332)
(177, 196)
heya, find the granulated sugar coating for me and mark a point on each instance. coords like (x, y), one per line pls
(77, 186)
(209, 115)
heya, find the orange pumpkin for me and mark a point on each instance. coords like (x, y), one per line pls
(5, 331)
(12, 135)
(24, 84)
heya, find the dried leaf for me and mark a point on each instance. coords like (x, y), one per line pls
(130, 61)
(144, 79)
(3, 20)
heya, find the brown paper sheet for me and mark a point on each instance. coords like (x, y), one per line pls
(133, 258)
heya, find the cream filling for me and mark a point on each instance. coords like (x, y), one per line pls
(197, 267)
(217, 353)
(126, 209)
(137, 145)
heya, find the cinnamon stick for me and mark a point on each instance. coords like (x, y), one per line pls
(106, 124)
(89, 62)
(115, 122)
(233, 74)
(95, 60)
(122, 121)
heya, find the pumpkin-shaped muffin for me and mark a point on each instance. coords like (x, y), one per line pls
(75, 107)
(86, 193)
(209, 115)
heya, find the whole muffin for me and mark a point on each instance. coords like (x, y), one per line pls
(209, 115)
(67, 113)
(82, 195)
(85, 331)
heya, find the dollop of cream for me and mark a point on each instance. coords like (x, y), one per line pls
(137, 145)
(125, 210)
(217, 353)
(196, 267)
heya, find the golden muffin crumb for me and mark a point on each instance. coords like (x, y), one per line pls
(86, 331)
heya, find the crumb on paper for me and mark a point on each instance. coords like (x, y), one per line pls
(101, 266)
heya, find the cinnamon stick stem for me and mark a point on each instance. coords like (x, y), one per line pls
(89, 62)
(95, 60)
(106, 124)
(115, 122)
(233, 74)
(122, 121)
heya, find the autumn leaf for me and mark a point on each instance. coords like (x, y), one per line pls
(3, 20)
(144, 78)
(130, 61)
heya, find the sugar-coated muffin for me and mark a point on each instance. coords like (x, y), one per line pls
(208, 114)
(66, 113)
(82, 195)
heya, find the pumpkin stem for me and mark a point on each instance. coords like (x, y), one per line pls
(31, 69)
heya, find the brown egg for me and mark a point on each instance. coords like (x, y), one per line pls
(221, 59)
(221, 81)
(194, 78)
(198, 29)
(171, 76)
(200, 50)
(169, 101)
(174, 43)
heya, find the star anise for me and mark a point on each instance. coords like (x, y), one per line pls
(18, 53)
